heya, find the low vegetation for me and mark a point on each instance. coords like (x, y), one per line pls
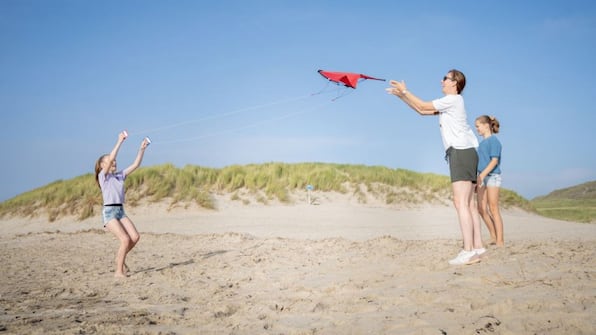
(577, 203)
(261, 183)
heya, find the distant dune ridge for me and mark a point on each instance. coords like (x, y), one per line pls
(576, 203)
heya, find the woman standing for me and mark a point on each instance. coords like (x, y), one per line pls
(460, 150)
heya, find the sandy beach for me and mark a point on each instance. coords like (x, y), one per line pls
(335, 268)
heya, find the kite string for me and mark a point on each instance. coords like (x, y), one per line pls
(337, 91)
(250, 125)
(219, 116)
(323, 90)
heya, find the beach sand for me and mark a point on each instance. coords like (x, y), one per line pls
(335, 268)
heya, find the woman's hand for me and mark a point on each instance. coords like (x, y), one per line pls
(397, 88)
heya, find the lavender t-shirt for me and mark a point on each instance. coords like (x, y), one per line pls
(112, 187)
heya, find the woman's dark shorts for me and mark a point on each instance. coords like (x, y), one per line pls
(463, 164)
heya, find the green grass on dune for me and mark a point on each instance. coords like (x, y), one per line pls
(578, 210)
(81, 196)
(575, 203)
(77, 196)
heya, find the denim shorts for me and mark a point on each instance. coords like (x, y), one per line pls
(112, 212)
(493, 180)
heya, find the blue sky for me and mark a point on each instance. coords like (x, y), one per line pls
(215, 83)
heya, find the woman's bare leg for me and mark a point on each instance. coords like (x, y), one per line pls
(477, 231)
(461, 199)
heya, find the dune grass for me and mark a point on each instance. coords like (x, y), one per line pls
(567, 209)
(576, 203)
(77, 196)
(81, 196)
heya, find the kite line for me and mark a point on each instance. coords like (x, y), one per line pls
(247, 126)
(219, 115)
(346, 79)
(228, 114)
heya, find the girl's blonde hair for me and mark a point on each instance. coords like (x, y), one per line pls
(492, 121)
(98, 169)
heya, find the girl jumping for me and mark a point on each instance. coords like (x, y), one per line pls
(111, 183)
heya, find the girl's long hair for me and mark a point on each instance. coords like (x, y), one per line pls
(98, 169)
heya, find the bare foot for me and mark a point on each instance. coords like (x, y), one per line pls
(119, 275)
(126, 268)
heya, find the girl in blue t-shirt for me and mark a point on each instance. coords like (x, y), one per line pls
(111, 183)
(489, 177)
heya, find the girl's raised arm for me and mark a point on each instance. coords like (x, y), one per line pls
(139, 158)
(112, 156)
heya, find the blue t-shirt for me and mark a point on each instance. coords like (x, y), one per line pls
(112, 187)
(488, 149)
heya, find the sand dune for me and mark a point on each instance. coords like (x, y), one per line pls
(336, 268)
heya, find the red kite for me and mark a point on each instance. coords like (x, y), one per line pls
(348, 79)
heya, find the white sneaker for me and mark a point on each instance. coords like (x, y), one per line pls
(479, 251)
(465, 257)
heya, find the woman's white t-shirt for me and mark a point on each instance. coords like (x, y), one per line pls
(455, 130)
